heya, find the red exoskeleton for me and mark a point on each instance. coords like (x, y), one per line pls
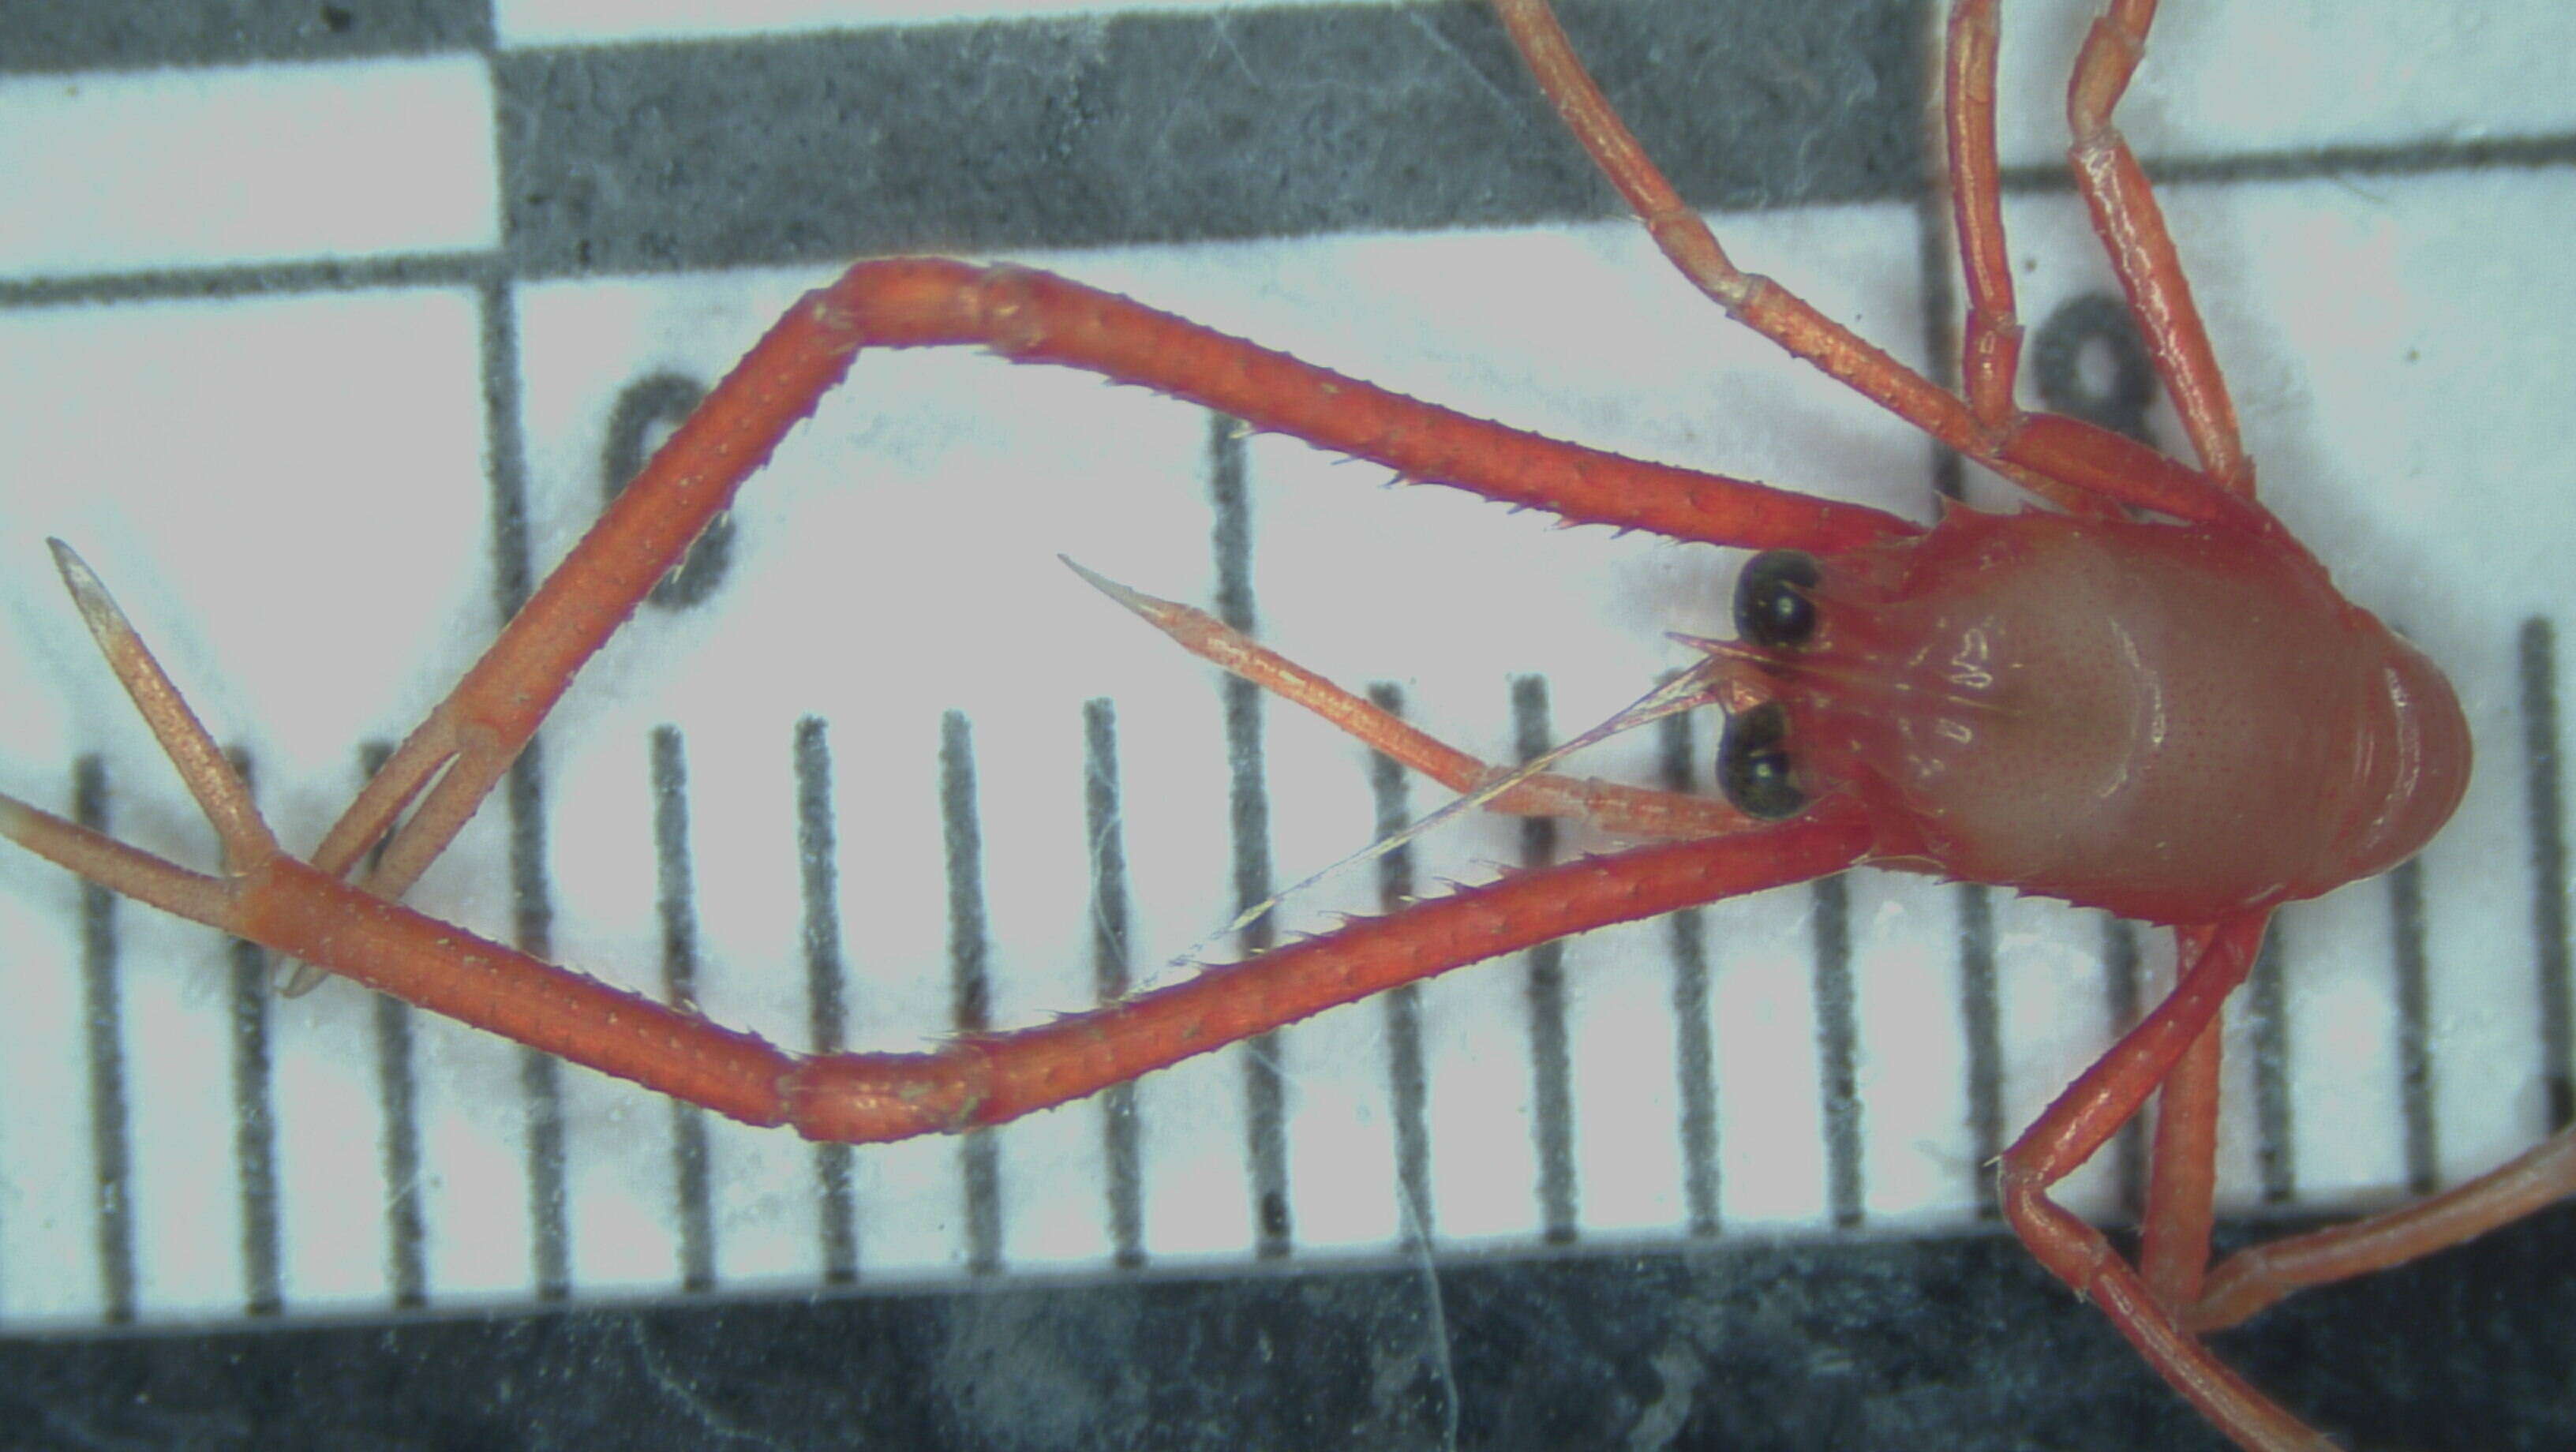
(2061, 702)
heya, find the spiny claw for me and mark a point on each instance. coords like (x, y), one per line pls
(1193, 629)
(1161, 612)
(210, 778)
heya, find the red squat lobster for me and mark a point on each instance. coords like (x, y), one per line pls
(2147, 698)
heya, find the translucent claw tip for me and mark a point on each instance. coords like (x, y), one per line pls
(78, 577)
(1136, 600)
(98, 609)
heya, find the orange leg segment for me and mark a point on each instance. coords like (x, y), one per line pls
(1990, 344)
(1990, 341)
(2132, 227)
(2182, 1185)
(2251, 1280)
(2182, 1179)
(2084, 1117)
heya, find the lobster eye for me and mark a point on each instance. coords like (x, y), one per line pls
(1774, 603)
(1753, 767)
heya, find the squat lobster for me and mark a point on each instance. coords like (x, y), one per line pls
(1851, 561)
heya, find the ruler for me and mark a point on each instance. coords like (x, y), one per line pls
(317, 342)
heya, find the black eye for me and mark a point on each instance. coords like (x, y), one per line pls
(1753, 767)
(1774, 599)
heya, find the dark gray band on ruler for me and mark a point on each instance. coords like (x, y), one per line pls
(818, 857)
(1162, 128)
(1408, 1087)
(2415, 1082)
(254, 1121)
(2267, 1013)
(398, 1089)
(1837, 1048)
(1265, 1110)
(969, 976)
(1694, 1040)
(2546, 814)
(675, 888)
(103, 1011)
(1105, 837)
(1543, 991)
(131, 34)
(1981, 1033)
